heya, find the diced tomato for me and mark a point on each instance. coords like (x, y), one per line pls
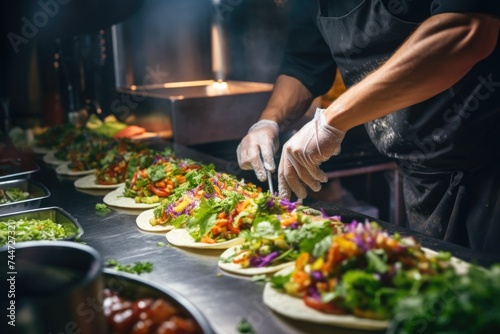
(158, 191)
(233, 229)
(330, 308)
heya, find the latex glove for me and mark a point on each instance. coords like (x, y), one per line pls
(303, 153)
(256, 150)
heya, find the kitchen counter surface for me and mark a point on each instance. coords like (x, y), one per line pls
(225, 299)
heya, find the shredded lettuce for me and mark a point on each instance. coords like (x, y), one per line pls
(31, 229)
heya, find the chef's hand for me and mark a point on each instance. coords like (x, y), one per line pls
(303, 153)
(256, 150)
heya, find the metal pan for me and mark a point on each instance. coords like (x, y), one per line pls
(133, 288)
(36, 190)
(16, 168)
(71, 226)
(52, 283)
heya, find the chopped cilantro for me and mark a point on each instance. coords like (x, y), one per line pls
(279, 281)
(102, 208)
(135, 268)
(245, 327)
(157, 172)
(452, 303)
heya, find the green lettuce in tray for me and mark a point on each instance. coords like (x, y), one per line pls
(40, 224)
(13, 195)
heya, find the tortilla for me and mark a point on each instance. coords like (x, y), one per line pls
(64, 169)
(142, 222)
(51, 159)
(181, 238)
(89, 182)
(295, 308)
(237, 269)
(116, 198)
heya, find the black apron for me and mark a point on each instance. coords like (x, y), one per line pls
(458, 205)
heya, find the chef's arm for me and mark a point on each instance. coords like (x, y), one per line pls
(289, 101)
(437, 55)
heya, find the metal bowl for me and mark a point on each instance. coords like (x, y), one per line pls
(50, 287)
(36, 190)
(133, 288)
(59, 216)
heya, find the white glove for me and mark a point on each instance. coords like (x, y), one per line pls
(302, 155)
(258, 146)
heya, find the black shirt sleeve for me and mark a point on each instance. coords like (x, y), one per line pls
(307, 56)
(476, 6)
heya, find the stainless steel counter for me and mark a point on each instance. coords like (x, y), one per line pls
(223, 298)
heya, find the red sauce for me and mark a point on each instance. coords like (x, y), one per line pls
(144, 316)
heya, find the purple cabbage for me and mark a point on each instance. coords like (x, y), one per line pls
(313, 292)
(260, 261)
(290, 206)
(317, 276)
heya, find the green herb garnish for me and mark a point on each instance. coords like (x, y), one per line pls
(135, 268)
(245, 327)
(102, 208)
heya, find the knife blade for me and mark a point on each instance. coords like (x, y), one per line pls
(270, 182)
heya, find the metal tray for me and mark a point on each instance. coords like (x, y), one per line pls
(36, 190)
(59, 216)
(16, 169)
(132, 287)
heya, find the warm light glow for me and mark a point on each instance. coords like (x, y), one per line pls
(133, 87)
(187, 84)
(217, 88)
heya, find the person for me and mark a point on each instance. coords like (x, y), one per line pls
(423, 77)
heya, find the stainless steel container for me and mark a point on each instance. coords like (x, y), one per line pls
(51, 287)
(71, 226)
(134, 288)
(35, 189)
(16, 168)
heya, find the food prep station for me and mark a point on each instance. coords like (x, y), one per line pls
(224, 299)
(196, 86)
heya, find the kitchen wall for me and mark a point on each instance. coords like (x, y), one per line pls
(173, 40)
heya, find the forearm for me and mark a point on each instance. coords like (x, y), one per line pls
(440, 52)
(289, 101)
